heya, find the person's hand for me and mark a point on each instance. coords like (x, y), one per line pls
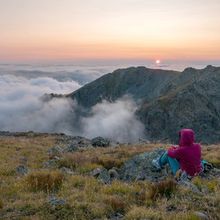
(172, 147)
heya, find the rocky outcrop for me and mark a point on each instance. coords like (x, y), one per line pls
(140, 168)
(100, 142)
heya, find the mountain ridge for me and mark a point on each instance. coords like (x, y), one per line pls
(167, 100)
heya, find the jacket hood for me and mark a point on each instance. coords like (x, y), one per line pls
(186, 137)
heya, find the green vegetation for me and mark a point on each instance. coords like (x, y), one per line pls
(85, 197)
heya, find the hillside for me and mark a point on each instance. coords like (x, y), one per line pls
(167, 100)
(191, 100)
(44, 176)
(139, 83)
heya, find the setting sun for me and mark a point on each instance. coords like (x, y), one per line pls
(157, 61)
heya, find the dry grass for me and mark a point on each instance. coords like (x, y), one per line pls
(211, 153)
(48, 181)
(86, 197)
(164, 188)
(117, 203)
(1, 204)
(140, 213)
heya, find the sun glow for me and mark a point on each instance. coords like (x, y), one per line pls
(157, 62)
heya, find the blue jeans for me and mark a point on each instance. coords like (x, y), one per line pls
(173, 163)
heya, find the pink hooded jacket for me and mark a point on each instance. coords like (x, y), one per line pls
(187, 153)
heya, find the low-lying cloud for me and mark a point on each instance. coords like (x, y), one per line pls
(115, 120)
(22, 109)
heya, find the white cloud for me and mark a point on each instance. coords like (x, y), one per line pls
(22, 109)
(116, 121)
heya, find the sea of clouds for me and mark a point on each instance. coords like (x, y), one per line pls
(23, 109)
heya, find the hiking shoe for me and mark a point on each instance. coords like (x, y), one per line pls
(156, 163)
(207, 167)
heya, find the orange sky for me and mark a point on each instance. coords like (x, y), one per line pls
(97, 29)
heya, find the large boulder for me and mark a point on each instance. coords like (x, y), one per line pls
(140, 168)
(100, 142)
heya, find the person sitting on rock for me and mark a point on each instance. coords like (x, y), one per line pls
(185, 158)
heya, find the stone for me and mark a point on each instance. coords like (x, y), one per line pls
(67, 170)
(201, 215)
(55, 151)
(96, 172)
(21, 170)
(140, 168)
(104, 176)
(188, 184)
(100, 142)
(71, 148)
(101, 174)
(54, 201)
(116, 216)
(51, 163)
(113, 174)
(74, 142)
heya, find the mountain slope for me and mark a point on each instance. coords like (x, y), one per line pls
(138, 82)
(193, 103)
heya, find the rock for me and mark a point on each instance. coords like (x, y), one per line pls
(54, 201)
(67, 171)
(51, 163)
(140, 168)
(71, 148)
(210, 174)
(82, 142)
(104, 176)
(116, 216)
(201, 215)
(171, 208)
(21, 170)
(73, 143)
(113, 173)
(96, 172)
(101, 174)
(55, 151)
(100, 142)
(188, 184)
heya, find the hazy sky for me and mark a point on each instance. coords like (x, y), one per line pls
(109, 29)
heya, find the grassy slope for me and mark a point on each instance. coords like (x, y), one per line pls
(86, 197)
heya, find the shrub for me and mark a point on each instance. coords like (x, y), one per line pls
(164, 188)
(72, 161)
(45, 181)
(116, 203)
(141, 197)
